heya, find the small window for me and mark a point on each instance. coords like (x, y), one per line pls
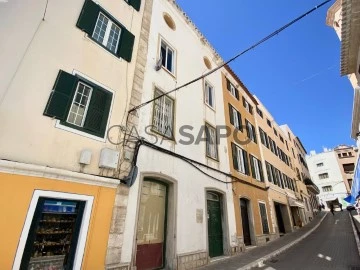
(323, 176)
(276, 134)
(292, 149)
(344, 154)
(163, 115)
(79, 104)
(207, 62)
(289, 136)
(232, 89)
(105, 30)
(259, 112)
(268, 122)
(281, 139)
(167, 56)
(169, 21)
(320, 164)
(287, 146)
(211, 142)
(240, 159)
(327, 188)
(256, 169)
(250, 129)
(247, 106)
(209, 95)
(264, 219)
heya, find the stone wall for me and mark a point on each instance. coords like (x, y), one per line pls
(192, 260)
(113, 256)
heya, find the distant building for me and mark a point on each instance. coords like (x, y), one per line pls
(332, 171)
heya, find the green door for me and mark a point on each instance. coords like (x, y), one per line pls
(215, 234)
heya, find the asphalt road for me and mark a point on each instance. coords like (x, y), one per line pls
(331, 246)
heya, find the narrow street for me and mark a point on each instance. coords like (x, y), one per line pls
(331, 246)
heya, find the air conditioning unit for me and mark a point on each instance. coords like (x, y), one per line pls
(109, 158)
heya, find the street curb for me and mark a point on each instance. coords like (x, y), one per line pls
(275, 253)
(355, 233)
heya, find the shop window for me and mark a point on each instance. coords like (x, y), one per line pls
(53, 234)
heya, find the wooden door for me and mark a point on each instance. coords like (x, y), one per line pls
(215, 233)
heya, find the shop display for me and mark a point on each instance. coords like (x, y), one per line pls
(49, 244)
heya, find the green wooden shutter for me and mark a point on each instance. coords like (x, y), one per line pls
(135, 4)
(235, 156)
(240, 121)
(252, 167)
(88, 17)
(244, 102)
(264, 220)
(246, 161)
(254, 133)
(231, 114)
(237, 94)
(61, 96)
(228, 84)
(261, 171)
(126, 45)
(247, 129)
(98, 112)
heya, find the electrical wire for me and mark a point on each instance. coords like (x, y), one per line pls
(193, 163)
(233, 58)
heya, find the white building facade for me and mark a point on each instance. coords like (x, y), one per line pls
(326, 174)
(180, 209)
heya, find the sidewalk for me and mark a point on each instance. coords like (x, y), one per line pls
(257, 255)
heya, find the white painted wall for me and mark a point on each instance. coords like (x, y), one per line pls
(189, 110)
(30, 57)
(331, 167)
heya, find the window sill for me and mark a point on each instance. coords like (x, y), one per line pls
(212, 159)
(209, 106)
(169, 72)
(93, 41)
(157, 133)
(78, 132)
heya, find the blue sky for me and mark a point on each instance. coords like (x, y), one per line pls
(296, 74)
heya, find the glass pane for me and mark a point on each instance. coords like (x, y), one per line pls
(152, 214)
(100, 28)
(79, 105)
(169, 60)
(114, 36)
(163, 54)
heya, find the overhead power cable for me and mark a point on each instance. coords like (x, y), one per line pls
(234, 58)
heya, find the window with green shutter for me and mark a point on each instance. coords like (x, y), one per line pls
(105, 30)
(79, 104)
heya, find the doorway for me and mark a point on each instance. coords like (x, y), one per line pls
(151, 228)
(215, 230)
(279, 218)
(244, 206)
